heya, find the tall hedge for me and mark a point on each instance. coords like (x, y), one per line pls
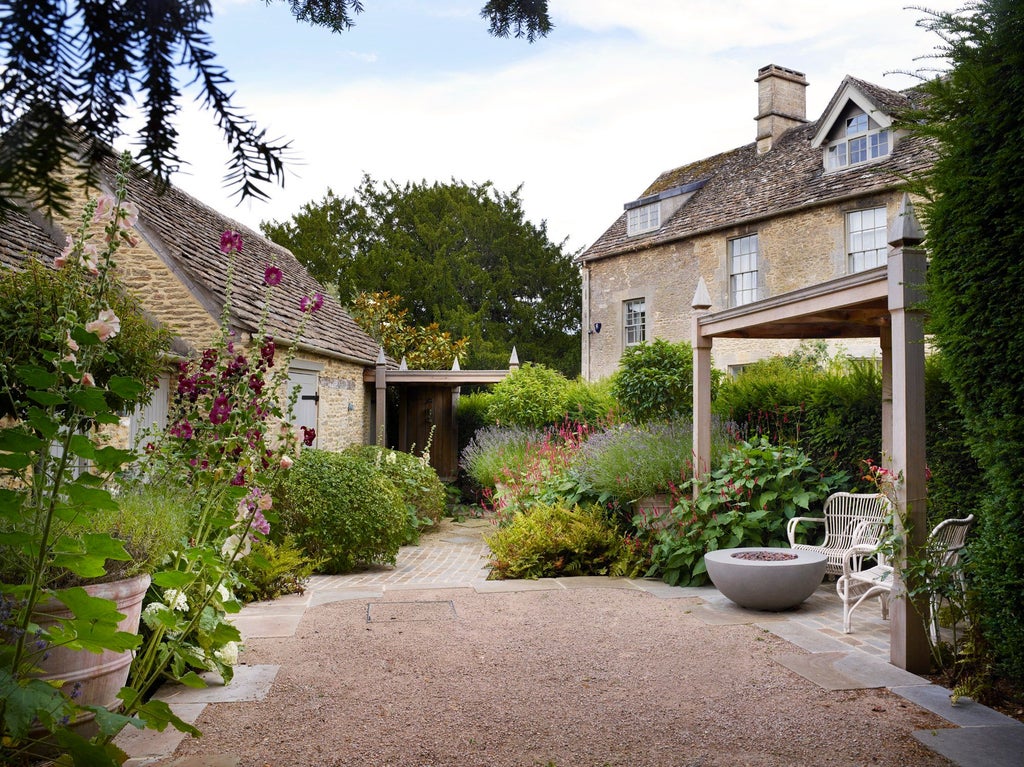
(975, 225)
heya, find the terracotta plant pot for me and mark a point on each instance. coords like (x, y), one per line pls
(101, 675)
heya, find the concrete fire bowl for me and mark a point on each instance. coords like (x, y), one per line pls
(765, 578)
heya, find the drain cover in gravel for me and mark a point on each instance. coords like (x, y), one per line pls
(393, 612)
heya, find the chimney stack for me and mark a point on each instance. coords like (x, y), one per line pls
(781, 103)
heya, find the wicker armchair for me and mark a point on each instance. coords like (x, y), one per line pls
(856, 585)
(850, 520)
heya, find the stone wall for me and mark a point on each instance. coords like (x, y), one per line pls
(795, 251)
(341, 386)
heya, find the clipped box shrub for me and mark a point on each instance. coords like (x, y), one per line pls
(413, 477)
(342, 510)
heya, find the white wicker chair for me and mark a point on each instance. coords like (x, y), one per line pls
(851, 519)
(945, 543)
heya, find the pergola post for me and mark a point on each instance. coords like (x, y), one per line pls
(885, 341)
(908, 641)
(380, 399)
(701, 383)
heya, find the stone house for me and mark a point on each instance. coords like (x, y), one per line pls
(180, 276)
(804, 203)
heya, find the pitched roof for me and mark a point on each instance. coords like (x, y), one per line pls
(742, 185)
(21, 235)
(186, 234)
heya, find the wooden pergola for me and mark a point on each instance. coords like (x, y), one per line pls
(886, 303)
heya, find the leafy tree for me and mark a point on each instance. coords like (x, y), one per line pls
(424, 348)
(975, 223)
(70, 69)
(460, 255)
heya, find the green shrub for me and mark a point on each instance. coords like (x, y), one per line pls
(533, 396)
(342, 511)
(747, 501)
(272, 570)
(549, 540)
(832, 410)
(591, 402)
(954, 489)
(31, 301)
(413, 477)
(471, 415)
(655, 381)
(628, 462)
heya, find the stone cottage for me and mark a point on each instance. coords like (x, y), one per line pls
(179, 274)
(805, 202)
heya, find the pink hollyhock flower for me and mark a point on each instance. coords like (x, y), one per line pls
(106, 326)
(313, 304)
(90, 254)
(104, 206)
(286, 462)
(72, 344)
(130, 213)
(88, 380)
(61, 261)
(272, 276)
(230, 242)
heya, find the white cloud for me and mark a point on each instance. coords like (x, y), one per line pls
(583, 125)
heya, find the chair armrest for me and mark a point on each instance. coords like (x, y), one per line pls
(792, 523)
(857, 553)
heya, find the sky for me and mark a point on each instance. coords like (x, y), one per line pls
(582, 120)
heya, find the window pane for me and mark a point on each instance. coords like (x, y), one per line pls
(743, 270)
(866, 239)
(858, 150)
(856, 124)
(635, 321)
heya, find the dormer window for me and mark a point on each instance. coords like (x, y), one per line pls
(649, 213)
(646, 218)
(861, 139)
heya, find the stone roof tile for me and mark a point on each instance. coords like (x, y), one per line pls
(742, 185)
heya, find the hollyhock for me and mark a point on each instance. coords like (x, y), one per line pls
(230, 242)
(272, 277)
(106, 326)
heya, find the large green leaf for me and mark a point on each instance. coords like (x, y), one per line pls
(157, 715)
(35, 376)
(91, 497)
(125, 387)
(19, 441)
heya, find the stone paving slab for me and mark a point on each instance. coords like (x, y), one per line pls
(662, 590)
(977, 746)
(249, 683)
(721, 612)
(847, 671)
(145, 746)
(596, 582)
(505, 587)
(266, 624)
(325, 595)
(966, 712)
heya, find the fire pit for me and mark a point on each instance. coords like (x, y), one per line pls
(765, 578)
